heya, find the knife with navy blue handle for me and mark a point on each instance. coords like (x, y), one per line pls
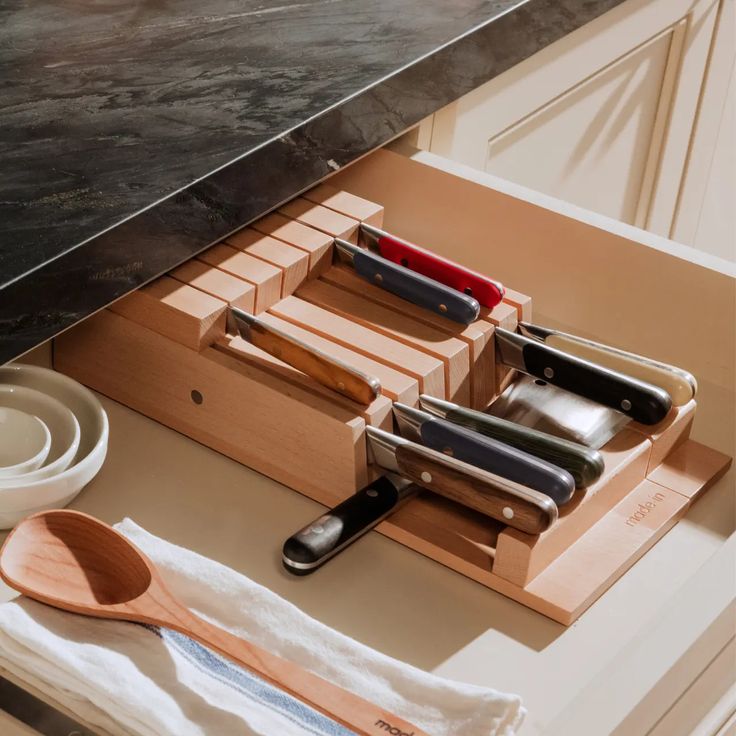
(407, 284)
(640, 401)
(485, 452)
(312, 546)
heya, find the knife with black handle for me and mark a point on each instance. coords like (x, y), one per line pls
(312, 546)
(640, 401)
(409, 285)
(583, 463)
(485, 452)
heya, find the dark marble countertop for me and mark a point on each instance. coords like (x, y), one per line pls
(135, 133)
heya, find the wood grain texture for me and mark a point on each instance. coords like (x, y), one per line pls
(176, 311)
(395, 385)
(521, 557)
(246, 412)
(521, 302)
(502, 500)
(293, 262)
(321, 218)
(74, 562)
(453, 353)
(346, 204)
(221, 285)
(326, 370)
(265, 277)
(314, 242)
(478, 336)
(426, 370)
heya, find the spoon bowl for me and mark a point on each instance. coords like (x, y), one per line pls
(74, 562)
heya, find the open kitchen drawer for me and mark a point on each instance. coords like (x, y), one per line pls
(588, 275)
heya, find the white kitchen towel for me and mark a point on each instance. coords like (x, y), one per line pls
(132, 679)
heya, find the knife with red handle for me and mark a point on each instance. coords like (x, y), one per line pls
(486, 291)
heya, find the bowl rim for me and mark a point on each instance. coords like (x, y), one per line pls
(34, 461)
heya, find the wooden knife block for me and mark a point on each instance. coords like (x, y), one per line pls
(163, 351)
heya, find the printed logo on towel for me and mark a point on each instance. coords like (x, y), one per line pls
(645, 508)
(393, 730)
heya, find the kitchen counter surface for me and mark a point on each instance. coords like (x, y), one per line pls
(135, 133)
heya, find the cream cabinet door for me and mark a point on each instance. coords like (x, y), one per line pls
(602, 118)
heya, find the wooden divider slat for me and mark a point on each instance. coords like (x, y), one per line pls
(293, 262)
(672, 431)
(396, 385)
(428, 371)
(453, 353)
(521, 302)
(376, 414)
(175, 310)
(265, 277)
(346, 204)
(274, 426)
(316, 243)
(478, 336)
(212, 281)
(321, 218)
(521, 557)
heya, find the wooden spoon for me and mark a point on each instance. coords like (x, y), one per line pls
(72, 561)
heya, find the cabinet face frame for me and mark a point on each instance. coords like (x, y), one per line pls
(465, 130)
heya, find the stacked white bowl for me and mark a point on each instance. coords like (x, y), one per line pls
(53, 440)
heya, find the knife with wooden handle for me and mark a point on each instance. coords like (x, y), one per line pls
(678, 383)
(486, 291)
(407, 284)
(640, 401)
(323, 368)
(484, 452)
(583, 463)
(501, 499)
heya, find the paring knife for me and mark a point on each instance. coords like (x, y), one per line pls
(485, 290)
(407, 284)
(485, 452)
(323, 368)
(317, 542)
(490, 494)
(583, 463)
(640, 401)
(678, 383)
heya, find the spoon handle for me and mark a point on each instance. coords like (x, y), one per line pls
(346, 708)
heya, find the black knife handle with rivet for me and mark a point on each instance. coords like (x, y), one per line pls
(642, 402)
(413, 287)
(501, 499)
(317, 542)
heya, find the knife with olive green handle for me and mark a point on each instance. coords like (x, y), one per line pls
(678, 383)
(323, 368)
(512, 503)
(585, 464)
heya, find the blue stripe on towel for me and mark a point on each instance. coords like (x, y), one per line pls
(251, 685)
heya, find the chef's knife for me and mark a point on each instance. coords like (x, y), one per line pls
(485, 452)
(335, 530)
(407, 284)
(323, 368)
(583, 463)
(501, 499)
(638, 400)
(485, 290)
(679, 384)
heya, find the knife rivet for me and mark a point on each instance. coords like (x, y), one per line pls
(316, 529)
(626, 405)
(549, 373)
(426, 477)
(371, 492)
(447, 451)
(443, 308)
(378, 278)
(508, 512)
(341, 385)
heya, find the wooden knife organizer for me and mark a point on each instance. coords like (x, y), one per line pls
(163, 351)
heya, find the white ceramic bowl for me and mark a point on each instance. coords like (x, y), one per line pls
(58, 491)
(25, 442)
(62, 424)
